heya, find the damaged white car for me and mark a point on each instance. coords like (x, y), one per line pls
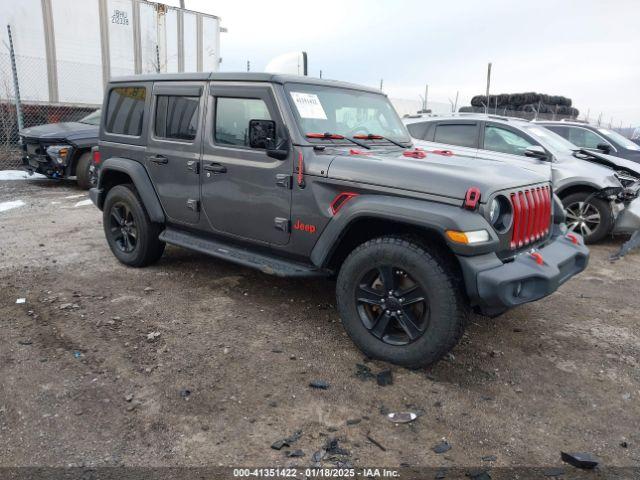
(598, 191)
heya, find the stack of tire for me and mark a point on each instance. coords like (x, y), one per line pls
(527, 104)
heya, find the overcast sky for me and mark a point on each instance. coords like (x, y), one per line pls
(588, 50)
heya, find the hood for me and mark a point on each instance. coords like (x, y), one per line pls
(61, 131)
(436, 174)
(616, 163)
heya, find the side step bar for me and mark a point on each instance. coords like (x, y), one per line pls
(265, 263)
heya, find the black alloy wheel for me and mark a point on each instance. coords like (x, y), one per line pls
(392, 305)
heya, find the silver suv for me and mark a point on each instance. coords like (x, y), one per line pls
(598, 191)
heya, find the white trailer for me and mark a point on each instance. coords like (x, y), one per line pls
(66, 50)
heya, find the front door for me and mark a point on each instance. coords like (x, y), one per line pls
(245, 193)
(173, 150)
(505, 144)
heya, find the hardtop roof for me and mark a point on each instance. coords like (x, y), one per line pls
(241, 77)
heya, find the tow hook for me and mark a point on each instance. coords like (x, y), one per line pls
(537, 256)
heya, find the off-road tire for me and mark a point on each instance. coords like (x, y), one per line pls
(449, 308)
(148, 248)
(83, 178)
(603, 208)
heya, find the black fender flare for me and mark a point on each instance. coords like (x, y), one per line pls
(424, 214)
(141, 181)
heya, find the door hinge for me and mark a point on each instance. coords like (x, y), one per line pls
(282, 224)
(283, 180)
(194, 166)
(193, 204)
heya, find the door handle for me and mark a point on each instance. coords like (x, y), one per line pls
(215, 168)
(159, 159)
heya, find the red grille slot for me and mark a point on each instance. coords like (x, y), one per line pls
(531, 215)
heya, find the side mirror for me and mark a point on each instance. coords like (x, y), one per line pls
(604, 147)
(262, 134)
(536, 151)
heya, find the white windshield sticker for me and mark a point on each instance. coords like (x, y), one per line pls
(308, 105)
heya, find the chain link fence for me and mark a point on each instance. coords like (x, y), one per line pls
(78, 81)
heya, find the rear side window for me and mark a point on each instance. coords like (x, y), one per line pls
(463, 135)
(232, 119)
(418, 130)
(177, 117)
(125, 110)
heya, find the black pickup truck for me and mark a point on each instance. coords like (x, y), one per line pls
(61, 150)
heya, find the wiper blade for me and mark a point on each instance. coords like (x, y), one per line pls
(335, 136)
(371, 136)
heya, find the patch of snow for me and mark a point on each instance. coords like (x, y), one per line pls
(4, 206)
(76, 196)
(21, 300)
(19, 175)
(82, 203)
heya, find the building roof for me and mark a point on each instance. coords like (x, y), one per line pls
(241, 77)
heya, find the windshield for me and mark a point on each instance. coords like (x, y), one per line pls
(616, 137)
(92, 119)
(550, 140)
(340, 111)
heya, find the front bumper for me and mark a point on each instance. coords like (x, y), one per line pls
(35, 160)
(628, 221)
(495, 286)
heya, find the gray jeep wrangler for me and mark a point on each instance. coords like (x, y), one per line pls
(303, 177)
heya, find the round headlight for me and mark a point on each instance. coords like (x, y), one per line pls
(494, 211)
(500, 214)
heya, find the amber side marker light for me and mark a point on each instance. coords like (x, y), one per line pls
(468, 238)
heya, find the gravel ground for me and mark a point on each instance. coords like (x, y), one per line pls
(195, 361)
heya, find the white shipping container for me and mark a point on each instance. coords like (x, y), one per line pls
(66, 50)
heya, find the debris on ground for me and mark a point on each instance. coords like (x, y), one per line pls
(441, 447)
(294, 453)
(375, 442)
(152, 336)
(332, 447)
(579, 459)
(185, 393)
(353, 421)
(318, 456)
(67, 306)
(553, 472)
(77, 354)
(25, 342)
(481, 474)
(148, 289)
(21, 300)
(287, 442)
(384, 378)
(624, 444)
(320, 384)
(402, 417)
(128, 397)
(489, 458)
(633, 242)
(363, 372)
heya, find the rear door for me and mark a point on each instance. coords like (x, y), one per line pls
(457, 136)
(245, 193)
(174, 147)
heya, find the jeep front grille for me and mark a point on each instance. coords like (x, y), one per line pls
(531, 215)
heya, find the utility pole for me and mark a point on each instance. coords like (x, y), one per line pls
(426, 96)
(486, 105)
(455, 106)
(248, 66)
(320, 73)
(381, 82)
(182, 4)
(16, 84)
